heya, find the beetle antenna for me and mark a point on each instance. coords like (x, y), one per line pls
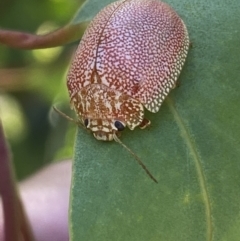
(116, 139)
(66, 116)
(136, 158)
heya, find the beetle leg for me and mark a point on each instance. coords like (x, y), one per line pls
(144, 123)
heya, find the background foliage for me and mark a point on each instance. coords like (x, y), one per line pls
(31, 81)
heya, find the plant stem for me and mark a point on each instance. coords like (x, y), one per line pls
(16, 225)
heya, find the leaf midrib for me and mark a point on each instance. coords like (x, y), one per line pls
(199, 169)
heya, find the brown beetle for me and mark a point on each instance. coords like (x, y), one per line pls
(129, 58)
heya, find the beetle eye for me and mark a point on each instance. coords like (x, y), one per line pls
(119, 125)
(86, 122)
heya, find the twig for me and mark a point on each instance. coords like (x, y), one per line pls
(16, 225)
(21, 40)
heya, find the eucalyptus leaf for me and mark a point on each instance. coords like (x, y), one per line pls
(89, 9)
(192, 147)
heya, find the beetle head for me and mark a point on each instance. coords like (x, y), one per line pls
(106, 112)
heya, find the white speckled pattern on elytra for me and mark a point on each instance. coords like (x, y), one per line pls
(129, 57)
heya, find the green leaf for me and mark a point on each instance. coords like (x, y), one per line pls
(89, 9)
(192, 148)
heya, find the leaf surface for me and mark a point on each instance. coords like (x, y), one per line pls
(192, 148)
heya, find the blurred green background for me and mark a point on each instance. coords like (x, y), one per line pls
(32, 81)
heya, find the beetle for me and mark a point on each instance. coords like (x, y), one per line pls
(128, 60)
